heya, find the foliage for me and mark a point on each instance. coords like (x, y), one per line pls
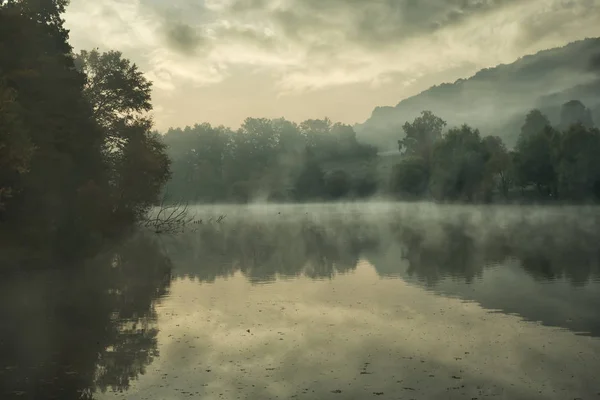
(467, 167)
(265, 159)
(537, 160)
(421, 135)
(579, 167)
(337, 184)
(458, 166)
(78, 161)
(574, 112)
(410, 177)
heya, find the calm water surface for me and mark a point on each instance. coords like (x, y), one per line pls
(320, 302)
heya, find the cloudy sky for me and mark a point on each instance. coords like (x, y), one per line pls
(223, 60)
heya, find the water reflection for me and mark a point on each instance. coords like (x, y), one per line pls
(65, 334)
(446, 249)
(346, 302)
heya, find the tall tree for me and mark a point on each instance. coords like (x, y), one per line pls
(421, 135)
(48, 111)
(120, 96)
(575, 112)
(458, 166)
(536, 161)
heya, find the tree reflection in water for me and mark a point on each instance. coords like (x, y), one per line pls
(459, 244)
(66, 333)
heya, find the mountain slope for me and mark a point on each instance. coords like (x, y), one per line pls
(497, 99)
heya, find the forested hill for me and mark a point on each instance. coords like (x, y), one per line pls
(497, 99)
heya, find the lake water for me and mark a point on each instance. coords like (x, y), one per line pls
(383, 301)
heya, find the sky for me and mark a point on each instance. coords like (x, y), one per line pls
(221, 61)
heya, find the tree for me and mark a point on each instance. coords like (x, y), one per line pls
(119, 95)
(310, 183)
(16, 148)
(49, 128)
(458, 166)
(579, 168)
(410, 177)
(536, 161)
(117, 91)
(573, 112)
(421, 135)
(337, 184)
(535, 122)
(498, 166)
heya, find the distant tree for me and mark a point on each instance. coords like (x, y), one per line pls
(498, 167)
(337, 184)
(579, 168)
(421, 135)
(310, 184)
(458, 166)
(366, 186)
(535, 122)
(536, 161)
(574, 112)
(410, 177)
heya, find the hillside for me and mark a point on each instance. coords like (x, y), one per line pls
(497, 99)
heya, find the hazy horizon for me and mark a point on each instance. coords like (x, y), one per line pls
(222, 61)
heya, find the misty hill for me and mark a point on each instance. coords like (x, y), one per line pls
(496, 100)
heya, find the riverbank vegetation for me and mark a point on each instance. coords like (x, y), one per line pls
(78, 161)
(281, 161)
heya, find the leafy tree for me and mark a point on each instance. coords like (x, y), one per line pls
(117, 91)
(458, 166)
(410, 177)
(535, 122)
(16, 148)
(498, 168)
(574, 112)
(366, 186)
(537, 159)
(579, 168)
(421, 135)
(337, 184)
(310, 183)
(50, 127)
(119, 95)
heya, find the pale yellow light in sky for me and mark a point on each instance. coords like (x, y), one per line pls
(223, 61)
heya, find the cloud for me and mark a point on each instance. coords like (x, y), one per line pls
(311, 44)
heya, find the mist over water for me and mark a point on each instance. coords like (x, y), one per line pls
(320, 301)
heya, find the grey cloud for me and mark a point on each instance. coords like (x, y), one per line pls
(564, 16)
(368, 22)
(183, 37)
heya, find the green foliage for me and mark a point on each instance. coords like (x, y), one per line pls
(499, 166)
(337, 184)
(537, 160)
(458, 166)
(579, 167)
(535, 122)
(574, 112)
(16, 148)
(310, 184)
(78, 161)
(421, 135)
(117, 91)
(410, 177)
(265, 159)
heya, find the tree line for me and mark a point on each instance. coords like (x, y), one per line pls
(78, 160)
(279, 160)
(265, 159)
(548, 163)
